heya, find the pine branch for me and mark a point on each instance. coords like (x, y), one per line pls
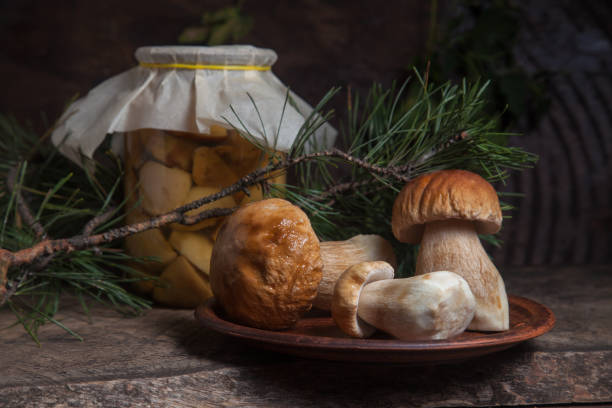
(59, 197)
(51, 247)
(414, 129)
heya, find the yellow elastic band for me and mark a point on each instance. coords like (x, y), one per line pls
(196, 66)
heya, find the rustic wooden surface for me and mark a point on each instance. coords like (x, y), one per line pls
(164, 359)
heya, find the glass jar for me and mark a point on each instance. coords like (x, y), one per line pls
(173, 118)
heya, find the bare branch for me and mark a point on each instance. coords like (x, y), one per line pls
(213, 213)
(407, 168)
(341, 188)
(97, 221)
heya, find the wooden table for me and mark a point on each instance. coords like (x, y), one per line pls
(164, 359)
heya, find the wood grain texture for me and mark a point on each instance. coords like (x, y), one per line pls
(565, 216)
(164, 359)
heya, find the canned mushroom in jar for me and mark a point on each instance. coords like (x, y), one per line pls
(165, 170)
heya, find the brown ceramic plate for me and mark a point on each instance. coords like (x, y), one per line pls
(316, 336)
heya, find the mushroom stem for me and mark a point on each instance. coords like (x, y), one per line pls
(337, 256)
(454, 245)
(433, 306)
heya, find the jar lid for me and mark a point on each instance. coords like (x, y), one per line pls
(200, 55)
(190, 89)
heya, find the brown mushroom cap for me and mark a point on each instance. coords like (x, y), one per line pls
(266, 265)
(442, 195)
(347, 291)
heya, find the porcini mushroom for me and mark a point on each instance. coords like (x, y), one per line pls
(345, 300)
(337, 256)
(266, 265)
(433, 306)
(444, 211)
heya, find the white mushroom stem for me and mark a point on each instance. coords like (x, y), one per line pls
(454, 245)
(347, 291)
(338, 256)
(433, 306)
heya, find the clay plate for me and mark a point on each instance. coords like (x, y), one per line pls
(316, 336)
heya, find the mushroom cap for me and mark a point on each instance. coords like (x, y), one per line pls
(266, 265)
(347, 292)
(442, 195)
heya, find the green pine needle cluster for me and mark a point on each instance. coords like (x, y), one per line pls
(62, 198)
(419, 127)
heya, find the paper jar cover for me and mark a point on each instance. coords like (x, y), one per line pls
(189, 88)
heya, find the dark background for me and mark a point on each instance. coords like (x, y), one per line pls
(51, 51)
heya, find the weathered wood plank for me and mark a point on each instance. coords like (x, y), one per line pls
(512, 378)
(164, 359)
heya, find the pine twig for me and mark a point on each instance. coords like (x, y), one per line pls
(402, 173)
(97, 221)
(262, 174)
(407, 168)
(341, 188)
(48, 248)
(383, 171)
